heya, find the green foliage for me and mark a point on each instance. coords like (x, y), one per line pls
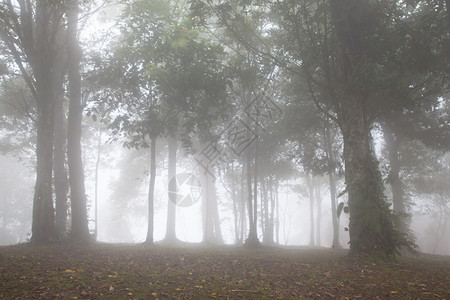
(17, 118)
(162, 76)
(342, 208)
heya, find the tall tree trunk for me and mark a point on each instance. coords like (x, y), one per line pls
(212, 232)
(242, 214)
(309, 180)
(318, 214)
(255, 189)
(332, 182)
(269, 212)
(208, 222)
(59, 170)
(371, 229)
(47, 61)
(235, 205)
(43, 226)
(218, 238)
(172, 190)
(398, 193)
(80, 229)
(151, 191)
(97, 171)
(252, 238)
(277, 213)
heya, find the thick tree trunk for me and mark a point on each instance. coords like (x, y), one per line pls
(43, 226)
(80, 229)
(47, 61)
(332, 183)
(151, 192)
(371, 229)
(172, 190)
(60, 171)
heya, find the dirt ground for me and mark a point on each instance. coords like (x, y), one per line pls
(194, 272)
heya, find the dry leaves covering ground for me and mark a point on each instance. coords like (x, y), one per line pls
(193, 272)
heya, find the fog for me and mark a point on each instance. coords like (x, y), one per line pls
(262, 120)
(122, 205)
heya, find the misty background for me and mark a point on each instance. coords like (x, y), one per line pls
(293, 170)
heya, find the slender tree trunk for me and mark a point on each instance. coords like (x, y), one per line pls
(80, 229)
(269, 212)
(398, 193)
(172, 190)
(218, 238)
(208, 222)
(97, 171)
(264, 210)
(151, 191)
(243, 216)
(262, 215)
(255, 190)
(309, 180)
(59, 170)
(212, 232)
(252, 238)
(334, 219)
(319, 214)
(235, 205)
(277, 213)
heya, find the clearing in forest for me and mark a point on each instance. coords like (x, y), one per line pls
(196, 272)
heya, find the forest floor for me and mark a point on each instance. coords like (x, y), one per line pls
(194, 272)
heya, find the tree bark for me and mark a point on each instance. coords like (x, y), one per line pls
(79, 230)
(309, 180)
(47, 61)
(59, 170)
(318, 214)
(208, 222)
(371, 229)
(97, 171)
(332, 183)
(172, 190)
(235, 204)
(151, 191)
(242, 206)
(218, 238)
(252, 238)
(398, 193)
